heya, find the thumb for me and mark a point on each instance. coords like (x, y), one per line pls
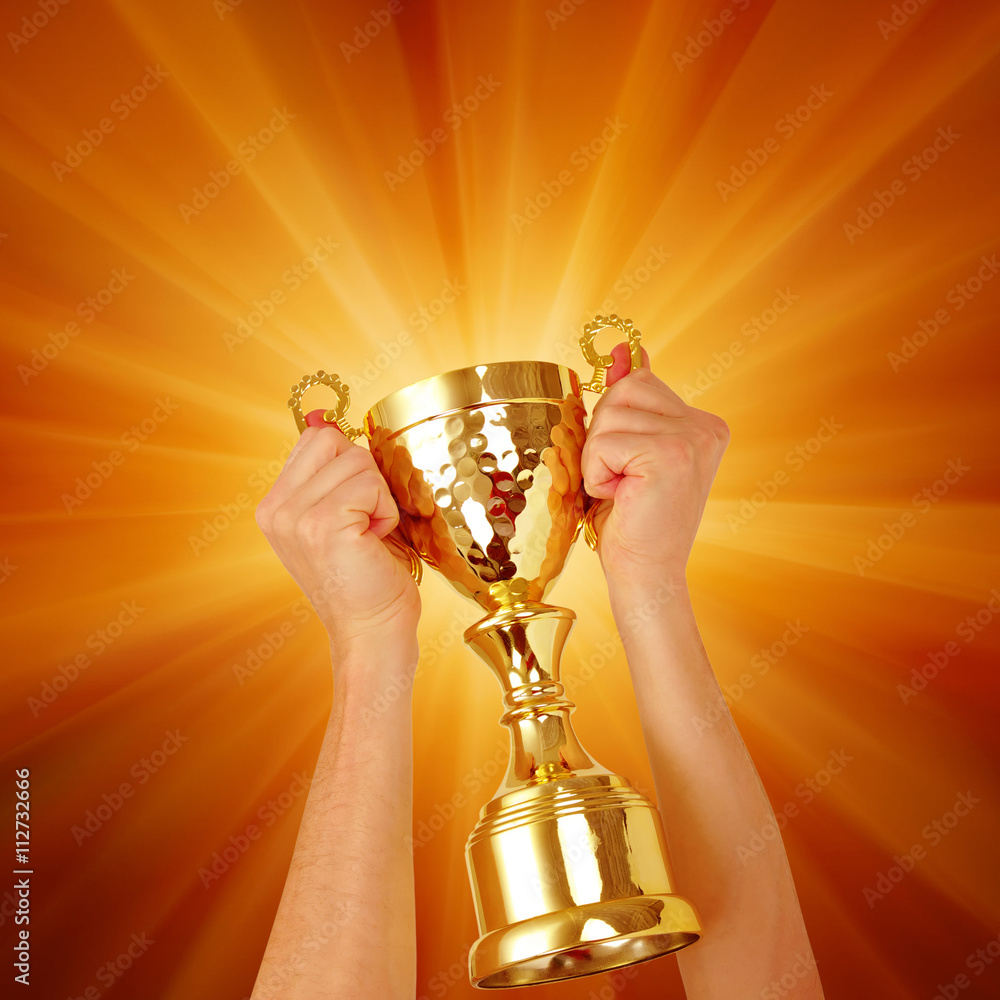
(622, 364)
(314, 418)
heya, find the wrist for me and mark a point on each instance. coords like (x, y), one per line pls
(639, 603)
(373, 673)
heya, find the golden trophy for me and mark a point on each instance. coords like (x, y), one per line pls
(568, 862)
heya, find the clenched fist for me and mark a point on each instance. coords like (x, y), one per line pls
(650, 458)
(327, 517)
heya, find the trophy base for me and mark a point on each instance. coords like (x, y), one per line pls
(568, 863)
(571, 878)
(583, 941)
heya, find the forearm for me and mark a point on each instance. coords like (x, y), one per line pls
(345, 927)
(712, 802)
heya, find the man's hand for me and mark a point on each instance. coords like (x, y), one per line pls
(651, 459)
(326, 517)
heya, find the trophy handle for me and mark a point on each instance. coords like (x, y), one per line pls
(338, 416)
(602, 362)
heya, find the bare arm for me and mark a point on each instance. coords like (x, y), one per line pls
(713, 802)
(654, 458)
(345, 927)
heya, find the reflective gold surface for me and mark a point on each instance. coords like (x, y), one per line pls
(568, 862)
(490, 495)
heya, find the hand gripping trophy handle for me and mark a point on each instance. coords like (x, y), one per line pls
(598, 383)
(338, 415)
(568, 862)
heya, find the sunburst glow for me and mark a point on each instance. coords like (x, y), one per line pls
(796, 203)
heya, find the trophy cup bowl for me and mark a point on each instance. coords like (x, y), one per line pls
(568, 862)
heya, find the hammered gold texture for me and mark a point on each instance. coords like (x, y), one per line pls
(491, 497)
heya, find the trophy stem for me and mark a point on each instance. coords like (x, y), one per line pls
(522, 645)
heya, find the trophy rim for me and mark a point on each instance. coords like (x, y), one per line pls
(472, 387)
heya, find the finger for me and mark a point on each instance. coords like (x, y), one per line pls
(633, 421)
(361, 503)
(315, 418)
(330, 477)
(304, 438)
(384, 516)
(642, 390)
(319, 447)
(609, 458)
(623, 362)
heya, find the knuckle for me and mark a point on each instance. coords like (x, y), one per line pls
(677, 449)
(717, 425)
(263, 515)
(355, 460)
(311, 527)
(282, 522)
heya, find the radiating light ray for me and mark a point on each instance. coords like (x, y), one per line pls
(526, 295)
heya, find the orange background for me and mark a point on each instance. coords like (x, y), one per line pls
(524, 291)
